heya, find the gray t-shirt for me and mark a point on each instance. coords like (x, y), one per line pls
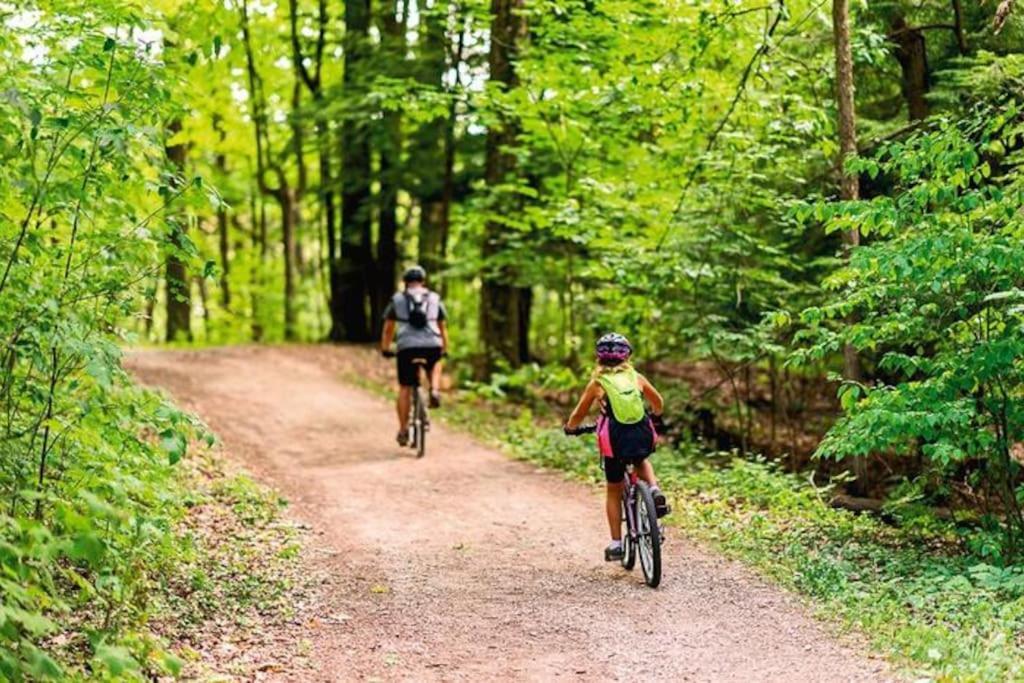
(407, 336)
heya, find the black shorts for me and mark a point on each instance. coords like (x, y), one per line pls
(631, 443)
(615, 468)
(407, 368)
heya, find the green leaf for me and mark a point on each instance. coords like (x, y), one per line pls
(174, 444)
(117, 660)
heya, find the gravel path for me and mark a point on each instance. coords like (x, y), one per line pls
(469, 566)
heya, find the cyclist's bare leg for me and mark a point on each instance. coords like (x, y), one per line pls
(435, 376)
(646, 472)
(403, 405)
(612, 506)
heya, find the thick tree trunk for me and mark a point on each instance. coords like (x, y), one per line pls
(387, 249)
(428, 149)
(179, 300)
(913, 58)
(356, 270)
(327, 199)
(849, 185)
(392, 52)
(501, 327)
(958, 27)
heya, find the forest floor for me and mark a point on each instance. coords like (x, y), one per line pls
(466, 564)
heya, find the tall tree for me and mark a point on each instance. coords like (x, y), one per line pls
(504, 310)
(356, 260)
(313, 79)
(284, 192)
(912, 54)
(849, 184)
(179, 300)
(429, 142)
(392, 23)
(223, 225)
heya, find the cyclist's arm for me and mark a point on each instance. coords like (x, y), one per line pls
(443, 326)
(387, 335)
(590, 394)
(652, 395)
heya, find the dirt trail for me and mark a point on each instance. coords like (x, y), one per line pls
(468, 566)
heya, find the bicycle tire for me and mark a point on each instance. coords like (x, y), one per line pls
(628, 548)
(646, 515)
(421, 419)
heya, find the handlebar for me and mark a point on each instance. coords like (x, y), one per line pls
(580, 431)
(657, 420)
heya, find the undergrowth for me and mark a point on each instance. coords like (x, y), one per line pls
(135, 550)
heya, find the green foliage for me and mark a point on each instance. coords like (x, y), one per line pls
(88, 490)
(936, 299)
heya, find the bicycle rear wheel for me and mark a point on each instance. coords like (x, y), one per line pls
(628, 545)
(421, 423)
(648, 536)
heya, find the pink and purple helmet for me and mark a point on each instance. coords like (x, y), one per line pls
(613, 348)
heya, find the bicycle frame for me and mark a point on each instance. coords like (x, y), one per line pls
(629, 498)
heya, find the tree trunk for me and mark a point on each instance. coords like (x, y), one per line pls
(179, 300)
(958, 27)
(356, 268)
(314, 83)
(336, 332)
(849, 185)
(501, 327)
(393, 49)
(224, 241)
(288, 199)
(223, 227)
(913, 58)
(429, 144)
(387, 250)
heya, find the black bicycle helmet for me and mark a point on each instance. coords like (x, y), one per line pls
(415, 274)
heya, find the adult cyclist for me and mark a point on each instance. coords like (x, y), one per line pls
(416, 319)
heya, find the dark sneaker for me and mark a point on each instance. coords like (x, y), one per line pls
(435, 399)
(661, 506)
(613, 553)
(403, 437)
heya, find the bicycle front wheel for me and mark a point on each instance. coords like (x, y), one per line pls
(648, 536)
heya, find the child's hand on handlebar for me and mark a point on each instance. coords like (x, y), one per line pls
(387, 353)
(578, 431)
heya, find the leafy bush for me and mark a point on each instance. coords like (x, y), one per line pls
(937, 296)
(86, 481)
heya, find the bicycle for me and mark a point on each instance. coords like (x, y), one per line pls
(643, 535)
(419, 420)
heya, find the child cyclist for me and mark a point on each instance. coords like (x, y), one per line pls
(625, 433)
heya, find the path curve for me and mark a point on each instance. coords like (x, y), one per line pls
(469, 566)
